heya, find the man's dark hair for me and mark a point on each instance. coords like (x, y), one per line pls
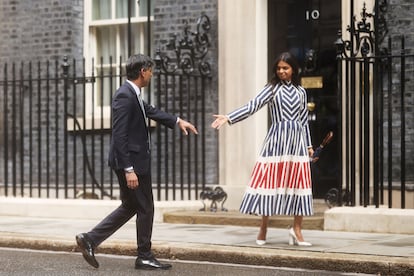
(135, 63)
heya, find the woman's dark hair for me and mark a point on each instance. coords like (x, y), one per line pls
(135, 63)
(291, 60)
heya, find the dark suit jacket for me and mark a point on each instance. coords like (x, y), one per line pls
(130, 141)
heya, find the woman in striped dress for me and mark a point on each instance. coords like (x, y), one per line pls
(281, 179)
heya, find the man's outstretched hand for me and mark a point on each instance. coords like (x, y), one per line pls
(187, 126)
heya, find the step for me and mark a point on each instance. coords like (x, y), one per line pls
(315, 222)
(234, 217)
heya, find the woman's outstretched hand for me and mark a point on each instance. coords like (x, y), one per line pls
(219, 121)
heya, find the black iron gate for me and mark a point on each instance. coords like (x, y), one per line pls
(56, 123)
(374, 84)
(182, 86)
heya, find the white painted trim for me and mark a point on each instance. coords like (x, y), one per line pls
(242, 69)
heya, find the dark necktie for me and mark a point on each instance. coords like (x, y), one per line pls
(142, 105)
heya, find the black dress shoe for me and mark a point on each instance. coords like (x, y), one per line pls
(86, 246)
(150, 264)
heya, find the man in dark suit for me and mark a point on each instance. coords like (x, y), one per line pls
(129, 157)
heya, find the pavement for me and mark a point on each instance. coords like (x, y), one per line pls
(358, 252)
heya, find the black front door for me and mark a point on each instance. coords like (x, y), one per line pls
(308, 29)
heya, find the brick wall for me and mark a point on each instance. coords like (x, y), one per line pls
(169, 18)
(40, 30)
(399, 17)
(35, 36)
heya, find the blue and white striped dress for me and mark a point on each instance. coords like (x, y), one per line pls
(280, 183)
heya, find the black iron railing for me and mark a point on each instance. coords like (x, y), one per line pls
(56, 125)
(373, 82)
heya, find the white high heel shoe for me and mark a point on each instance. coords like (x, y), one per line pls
(263, 241)
(293, 240)
(260, 242)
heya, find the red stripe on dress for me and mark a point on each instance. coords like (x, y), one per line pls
(271, 173)
(308, 176)
(305, 176)
(269, 176)
(265, 181)
(295, 176)
(256, 175)
(280, 173)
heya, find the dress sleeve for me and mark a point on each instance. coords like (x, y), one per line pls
(241, 113)
(304, 117)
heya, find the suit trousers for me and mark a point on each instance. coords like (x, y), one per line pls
(139, 202)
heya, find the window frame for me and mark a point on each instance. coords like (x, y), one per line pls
(90, 50)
